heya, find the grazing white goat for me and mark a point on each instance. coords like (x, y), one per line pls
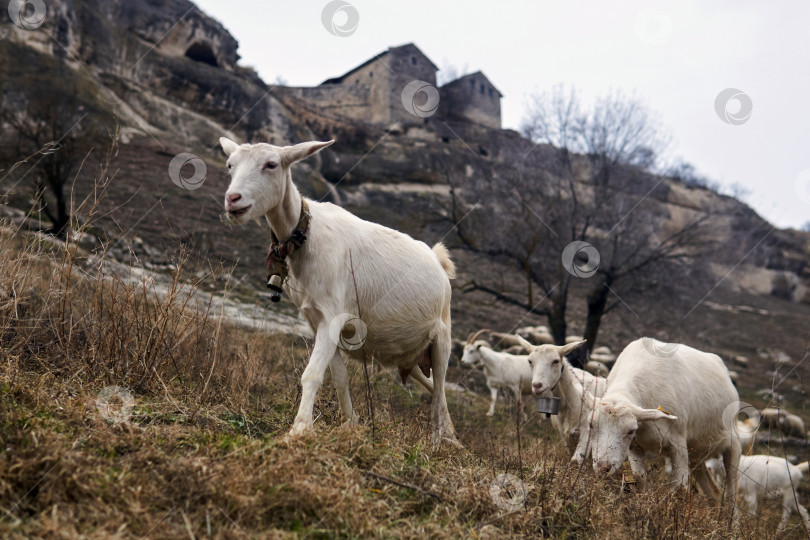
(672, 405)
(770, 477)
(602, 355)
(502, 370)
(402, 285)
(551, 372)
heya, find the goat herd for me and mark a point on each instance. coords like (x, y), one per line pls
(659, 398)
(394, 292)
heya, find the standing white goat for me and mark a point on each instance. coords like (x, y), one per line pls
(767, 477)
(631, 417)
(502, 370)
(551, 372)
(772, 477)
(401, 285)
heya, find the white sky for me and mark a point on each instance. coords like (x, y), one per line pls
(678, 62)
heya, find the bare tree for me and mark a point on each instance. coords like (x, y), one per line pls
(58, 124)
(579, 212)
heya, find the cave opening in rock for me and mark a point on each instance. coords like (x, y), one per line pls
(202, 52)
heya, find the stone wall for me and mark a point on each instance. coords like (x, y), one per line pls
(376, 77)
(352, 101)
(404, 65)
(473, 99)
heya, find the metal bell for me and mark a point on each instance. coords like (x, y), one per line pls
(548, 405)
(274, 284)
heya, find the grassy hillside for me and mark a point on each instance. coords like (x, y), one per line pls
(200, 452)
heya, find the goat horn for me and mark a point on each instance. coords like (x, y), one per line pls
(472, 337)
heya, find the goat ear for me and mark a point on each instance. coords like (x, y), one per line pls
(565, 349)
(647, 415)
(228, 145)
(291, 154)
(526, 344)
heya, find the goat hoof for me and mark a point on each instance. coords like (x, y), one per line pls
(453, 442)
(297, 432)
(349, 425)
(490, 413)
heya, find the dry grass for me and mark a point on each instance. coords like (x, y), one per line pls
(201, 453)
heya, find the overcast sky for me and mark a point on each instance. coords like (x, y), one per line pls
(676, 56)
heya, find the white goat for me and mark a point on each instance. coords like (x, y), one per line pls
(502, 370)
(631, 417)
(401, 285)
(769, 477)
(551, 372)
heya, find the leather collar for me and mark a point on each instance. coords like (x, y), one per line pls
(277, 268)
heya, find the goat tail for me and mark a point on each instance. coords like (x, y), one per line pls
(803, 467)
(444, 259)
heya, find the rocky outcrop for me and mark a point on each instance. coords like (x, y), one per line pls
(171, 76)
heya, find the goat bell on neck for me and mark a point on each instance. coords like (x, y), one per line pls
(274, 284)
(548, 405)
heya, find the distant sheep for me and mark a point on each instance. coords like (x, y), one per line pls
(597, 369)
(788, 423)
(503, 341)
(792, 425)
(538, 335)
(770, 417)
